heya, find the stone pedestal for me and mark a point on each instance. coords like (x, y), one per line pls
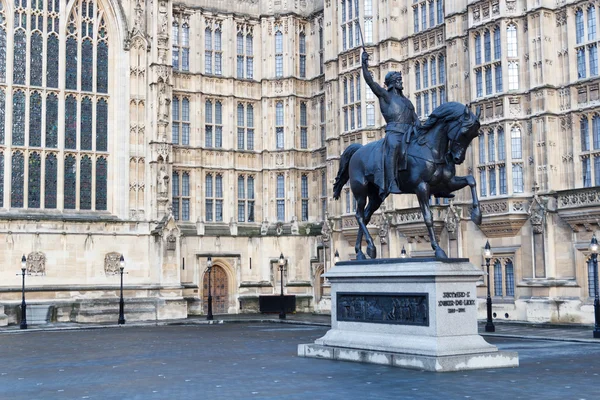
(419, 314)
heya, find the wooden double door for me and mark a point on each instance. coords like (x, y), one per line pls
(219, 290)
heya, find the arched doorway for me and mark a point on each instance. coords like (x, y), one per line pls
(219, 290)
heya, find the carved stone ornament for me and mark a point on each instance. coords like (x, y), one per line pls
(264, 227)
(111, 263)
(384, 228)
(537, 213)
(452, 221)
(36, 263)
(326, 231)
(163, 182)
(171, 242)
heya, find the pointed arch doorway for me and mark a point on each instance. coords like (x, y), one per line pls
(219, 289)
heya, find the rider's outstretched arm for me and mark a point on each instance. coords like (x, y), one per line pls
(378, 90)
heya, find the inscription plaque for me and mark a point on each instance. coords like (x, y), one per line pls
(388, 308)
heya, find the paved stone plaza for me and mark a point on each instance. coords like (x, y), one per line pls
(258, 361)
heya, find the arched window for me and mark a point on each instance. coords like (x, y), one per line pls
(418, 76)
(280, 196)
(517, 171)
(584, 133)
(278, 52)
(511, 40)
(501, 145)
(477, 49)
(487, 46)
(35, 93)
(302, 48)
(591, 22)
(596, 131)
(497, 44)
(304, 197)
(515, 141)
(279, 133)
(579, 26)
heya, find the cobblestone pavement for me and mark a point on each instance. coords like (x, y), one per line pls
(255, 360)
(572, 333)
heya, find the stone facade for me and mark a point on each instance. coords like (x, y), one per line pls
(225, 123)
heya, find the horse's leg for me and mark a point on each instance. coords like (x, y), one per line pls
(459, 182)
(361, 202)
(372, 206)
(423, 194)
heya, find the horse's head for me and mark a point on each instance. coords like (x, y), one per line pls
(459, 138)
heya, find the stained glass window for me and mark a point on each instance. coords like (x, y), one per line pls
(34, 185)
(52, 120)
(71, 64)
(70, 122)
(85, 185)
(50, 181)
(35, 120)
(36, 57)
(86, 124)
(20, 57)
(87, 65)
(70, 182)
(18, 172)
(52, 61)
(18, 125)
(101, 125)
(2, 115)
(101, 174)
(102, 68)
(2, 46)
(2, 179)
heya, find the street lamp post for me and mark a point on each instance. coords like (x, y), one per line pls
(594, 251)
(487, 253)
(281, 265)
(336, 257)
(121, 302)
(209, 315)
(23, 304)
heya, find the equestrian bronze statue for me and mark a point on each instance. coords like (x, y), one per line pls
(411, 158)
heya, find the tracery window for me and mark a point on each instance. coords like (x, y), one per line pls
(181, 120)
(303, 126)
(304, 196)
(245, 57)
(302, 52)
(280, 196)
(245, 198)
(213, 51)
(181, 46)
(350, 27)
(213, 126)
(35, 153)
(279, 134)
(278, 52)
(181, 195)
(503, 277)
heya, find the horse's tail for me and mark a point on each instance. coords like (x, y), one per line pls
(343, 174)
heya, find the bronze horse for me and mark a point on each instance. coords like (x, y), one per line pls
(440, 143)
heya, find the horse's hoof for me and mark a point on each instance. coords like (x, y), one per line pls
(439, 253)
(476, 215)
(372, 252)
(360, 256)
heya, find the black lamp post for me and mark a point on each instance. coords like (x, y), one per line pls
(487, 254)
(403, 253)
(209, 315)
(23, 304)
(594, 251)
(121, 302)
(281, 265)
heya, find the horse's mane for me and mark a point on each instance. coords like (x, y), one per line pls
(446, 112)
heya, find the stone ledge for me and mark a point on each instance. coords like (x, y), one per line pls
(497, 359)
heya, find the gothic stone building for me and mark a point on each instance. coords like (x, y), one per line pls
(173, 131)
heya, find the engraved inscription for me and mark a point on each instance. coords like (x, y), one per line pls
(392, 308)
(456, 301)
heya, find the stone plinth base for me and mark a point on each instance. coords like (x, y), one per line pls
(419, 314)
(463, 362)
